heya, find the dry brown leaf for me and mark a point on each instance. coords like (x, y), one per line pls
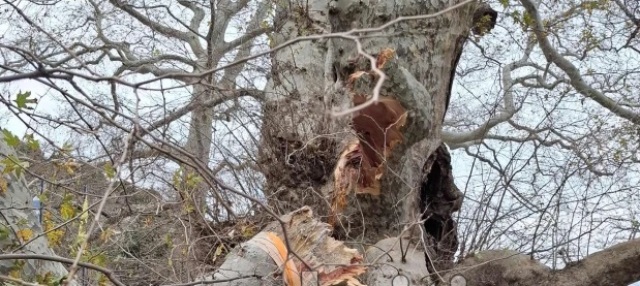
(4, 185)
(354, 76)
(341, 274)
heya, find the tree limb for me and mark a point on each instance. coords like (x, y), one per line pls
(572, 72)
(616, 265)
(164, 30)
(460, 139)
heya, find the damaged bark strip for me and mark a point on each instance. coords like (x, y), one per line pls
(298, 250)
(384, 130)
(419, 75)
(378, 127)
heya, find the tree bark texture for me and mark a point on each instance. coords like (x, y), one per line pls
(617, 265)
(302, 143)
(295, 248)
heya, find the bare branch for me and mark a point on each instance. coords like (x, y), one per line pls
(456, 140)
(245, 43)
(572, 72)
(164, 30)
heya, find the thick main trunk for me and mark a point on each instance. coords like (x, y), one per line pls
(200, 134)
(302, 144)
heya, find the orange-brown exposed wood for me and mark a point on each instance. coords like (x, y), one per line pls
(378, 128)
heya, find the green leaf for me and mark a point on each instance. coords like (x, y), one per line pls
(168, 241)
(504, 3)
(22, 99)
(32, 143)
(67, 211)
(193, 180)
(12, 140)
(11, 163)
(85, 210)
(46, 279)
(66, 148)
(527, 19)
(4, 232)
(99, 259)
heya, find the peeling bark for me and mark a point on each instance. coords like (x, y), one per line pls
(297, 249)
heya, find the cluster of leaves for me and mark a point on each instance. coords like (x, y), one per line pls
(57, 218)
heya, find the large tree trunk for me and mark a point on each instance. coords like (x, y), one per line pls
(303, 143)
(393, 147)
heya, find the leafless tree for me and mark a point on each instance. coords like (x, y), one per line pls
(165, 109)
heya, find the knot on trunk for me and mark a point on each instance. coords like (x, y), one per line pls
(484, 19)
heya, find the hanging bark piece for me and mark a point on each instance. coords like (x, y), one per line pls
(378, 127)
(306, 255)
(361, 166)
(324, 259)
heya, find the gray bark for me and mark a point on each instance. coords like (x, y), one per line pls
(617, 265)
(389, 268)
(302, 142)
